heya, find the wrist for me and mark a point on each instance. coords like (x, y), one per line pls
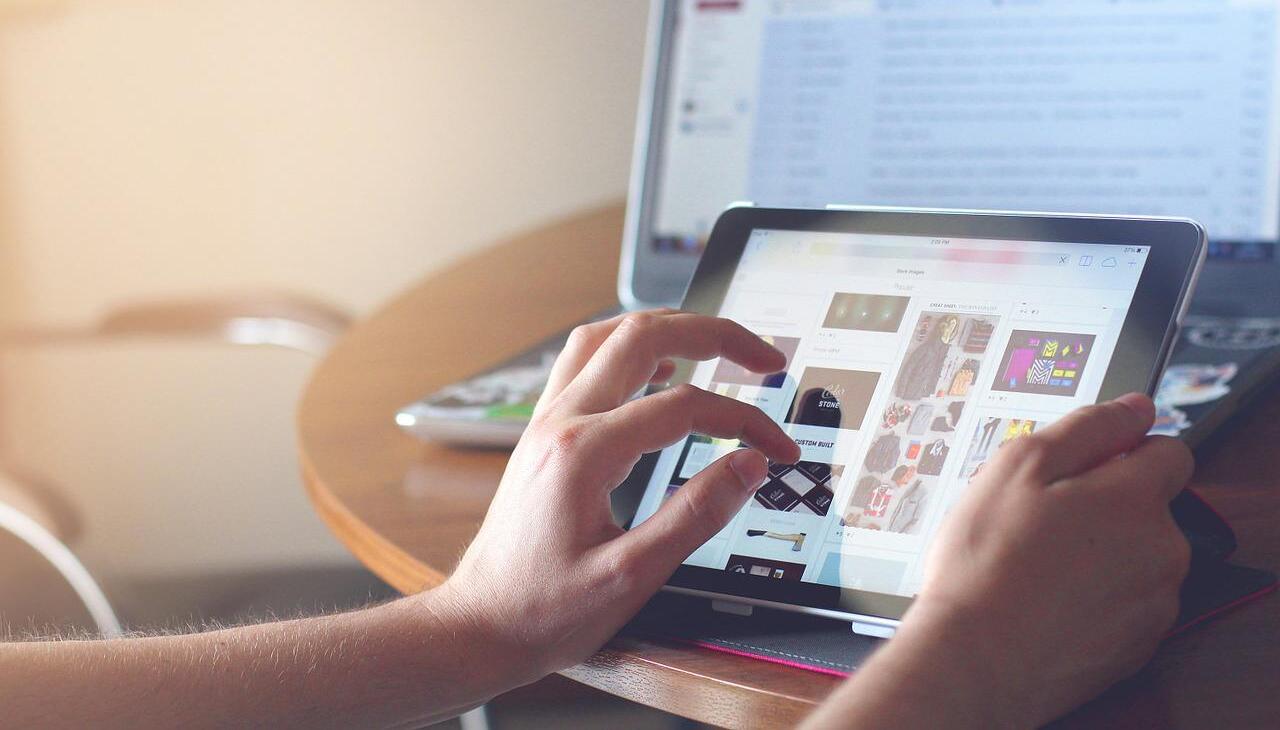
(932, 673)
(488, 657)
(954, 664)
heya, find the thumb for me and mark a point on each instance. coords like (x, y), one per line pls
(696, 512)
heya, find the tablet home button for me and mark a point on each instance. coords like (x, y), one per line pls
(737, 609)
(880, 632)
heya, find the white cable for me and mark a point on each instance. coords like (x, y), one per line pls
(66, 563)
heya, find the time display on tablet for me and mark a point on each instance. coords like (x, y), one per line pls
(911, 362)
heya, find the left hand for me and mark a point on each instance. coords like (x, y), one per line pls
(550, 576)
(1056, 575)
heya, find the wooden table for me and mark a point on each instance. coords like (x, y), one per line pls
(407, 509)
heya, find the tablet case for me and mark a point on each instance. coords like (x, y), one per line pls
(1212, 586)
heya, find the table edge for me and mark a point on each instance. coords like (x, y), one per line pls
(379, 555)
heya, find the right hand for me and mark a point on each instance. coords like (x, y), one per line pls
(1056, 575)
(550, 576)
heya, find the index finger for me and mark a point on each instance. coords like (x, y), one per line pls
(628, 357)
(1161, 465)
(1085, 438)
(579, 346)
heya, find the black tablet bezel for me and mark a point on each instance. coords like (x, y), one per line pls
(1177, 248)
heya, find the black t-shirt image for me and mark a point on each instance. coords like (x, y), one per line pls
(831, 398)
(818, 407)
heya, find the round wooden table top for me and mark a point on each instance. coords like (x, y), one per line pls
(407, 509)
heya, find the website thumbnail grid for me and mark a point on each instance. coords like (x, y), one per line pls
(910, 363)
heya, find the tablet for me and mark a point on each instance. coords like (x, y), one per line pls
(918, 344)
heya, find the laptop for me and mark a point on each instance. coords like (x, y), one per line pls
(1167, 107)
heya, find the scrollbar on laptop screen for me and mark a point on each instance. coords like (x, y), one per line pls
(1161, 107)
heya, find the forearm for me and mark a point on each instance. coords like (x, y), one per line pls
(403, 664)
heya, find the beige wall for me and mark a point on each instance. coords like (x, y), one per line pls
(335, 147)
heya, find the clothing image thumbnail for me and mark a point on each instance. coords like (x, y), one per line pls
(866, 312)
(732, 373)
(950, 345)
(914, 436)
(923, 367)
(991, 434)
(807, 487)
(833, 398)
(1043, 363)
(888, 505)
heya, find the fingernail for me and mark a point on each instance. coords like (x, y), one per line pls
(750, 466)
(1139, 404)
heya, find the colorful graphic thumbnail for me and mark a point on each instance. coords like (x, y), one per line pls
(1043, 363)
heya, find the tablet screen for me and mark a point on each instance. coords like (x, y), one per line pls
(911, 362)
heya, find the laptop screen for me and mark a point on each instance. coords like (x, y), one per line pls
(1159, 107)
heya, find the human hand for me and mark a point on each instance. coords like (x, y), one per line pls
(548, 579)
(1055, 576)
(550, 576)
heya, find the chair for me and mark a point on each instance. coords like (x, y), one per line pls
(36, 526)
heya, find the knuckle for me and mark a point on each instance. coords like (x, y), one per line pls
(699, 506)
(1179, 455)
(638, 322)
(685, 394)
(636, 329)
(541, 421)
(1170, 463)
(566, 440)
(623, 571)
(582, 337)
(619, 562)
(555, 444)
(1029, 453)
(1103, 417)
(1113, 416)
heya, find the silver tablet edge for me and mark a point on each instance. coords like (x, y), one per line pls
(867, 625)
(883, 627)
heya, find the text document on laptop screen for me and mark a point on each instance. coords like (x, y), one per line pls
(1151, 107)
(911, 361)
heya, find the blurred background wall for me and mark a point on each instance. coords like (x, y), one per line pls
(338, 148)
